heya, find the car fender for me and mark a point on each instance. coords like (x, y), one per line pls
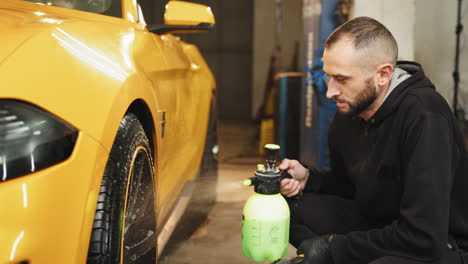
(94, 81)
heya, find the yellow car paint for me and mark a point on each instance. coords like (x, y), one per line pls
(46, 216)
(129, 11)
(193, 14)
(90, 78)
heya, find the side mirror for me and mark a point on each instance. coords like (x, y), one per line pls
(185, 17)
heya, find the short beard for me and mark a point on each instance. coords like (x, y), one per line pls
(363, 100)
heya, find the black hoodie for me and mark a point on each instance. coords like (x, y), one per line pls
(406, 168)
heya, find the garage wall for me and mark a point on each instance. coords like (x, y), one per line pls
(264, 40)
(397, 16)
(435, 46)
(425, 31)
(239, 48)
(228, 51)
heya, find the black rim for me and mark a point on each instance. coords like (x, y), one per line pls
(139, 234)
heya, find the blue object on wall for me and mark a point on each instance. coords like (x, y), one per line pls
(323, 109)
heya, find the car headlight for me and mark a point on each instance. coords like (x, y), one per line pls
(31, 139)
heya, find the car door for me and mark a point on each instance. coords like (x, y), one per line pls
(166, 71)
(177, 91)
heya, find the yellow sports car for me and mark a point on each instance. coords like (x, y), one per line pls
(103, 125)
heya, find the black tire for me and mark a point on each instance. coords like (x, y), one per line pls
(124, 229)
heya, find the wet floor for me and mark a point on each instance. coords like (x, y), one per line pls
(217, 239)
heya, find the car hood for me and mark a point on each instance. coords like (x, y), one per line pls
(18, 24)
(68, 62)
(20, 20)
(13, 38)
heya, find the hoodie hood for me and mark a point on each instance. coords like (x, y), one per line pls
(407, 77)
(398, 76)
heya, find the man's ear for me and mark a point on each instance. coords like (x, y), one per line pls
(384, 74)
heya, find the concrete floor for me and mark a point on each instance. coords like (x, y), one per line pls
(218, 239)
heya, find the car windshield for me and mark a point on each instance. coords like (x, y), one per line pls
(105, 7)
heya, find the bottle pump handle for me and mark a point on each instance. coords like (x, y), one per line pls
(272, 150)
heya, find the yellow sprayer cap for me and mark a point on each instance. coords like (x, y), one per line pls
(272, 146)
(260, 167)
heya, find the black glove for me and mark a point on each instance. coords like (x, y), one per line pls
(316, 250)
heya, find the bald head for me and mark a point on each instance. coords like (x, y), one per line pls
(372, 41)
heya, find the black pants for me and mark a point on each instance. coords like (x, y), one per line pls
(317, 214)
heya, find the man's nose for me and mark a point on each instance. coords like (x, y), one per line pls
(332, 89)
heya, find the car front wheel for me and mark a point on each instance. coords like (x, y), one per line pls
(124, 229)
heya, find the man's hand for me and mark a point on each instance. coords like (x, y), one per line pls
(292, 187)
(316, 250)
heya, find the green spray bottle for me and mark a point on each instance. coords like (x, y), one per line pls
(265, 220)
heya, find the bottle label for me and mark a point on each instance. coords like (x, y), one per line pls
(265, 240)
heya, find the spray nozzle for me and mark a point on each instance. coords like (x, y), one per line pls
(247, 182)
(251, 181)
